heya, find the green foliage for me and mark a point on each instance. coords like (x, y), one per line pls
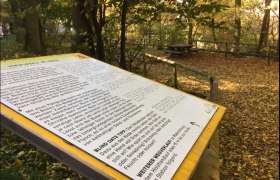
(20, 160)
(56, 17)
(7, 173)
(20, 34)
(5, 12)
(210, 11)
(9, 47)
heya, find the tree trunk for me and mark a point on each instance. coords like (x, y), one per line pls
(213, 29)
(184, 2)
(100, 51)
(237, 35)
(190, 33)
(160, 47)
(33, 37)
(84, 33)
(15, 11)
(150, 32)
(278, 41)
(99, 43)
(123, 31)
(265, 28)
(278, 46)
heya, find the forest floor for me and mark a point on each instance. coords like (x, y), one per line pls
(249, 134)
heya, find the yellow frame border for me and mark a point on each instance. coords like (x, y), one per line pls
(185, 170)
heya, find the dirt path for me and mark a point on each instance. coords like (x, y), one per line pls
(249, 136)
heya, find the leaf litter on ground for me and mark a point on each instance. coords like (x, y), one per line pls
(249, 134)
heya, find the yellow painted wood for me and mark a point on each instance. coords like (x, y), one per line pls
(184, 172)
(189, 164)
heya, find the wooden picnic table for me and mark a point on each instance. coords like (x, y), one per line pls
(179, 49)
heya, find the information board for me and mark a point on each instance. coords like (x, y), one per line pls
(139, 127)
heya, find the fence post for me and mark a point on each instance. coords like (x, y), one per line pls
(213, 88)
(226, 50)
(175, 76)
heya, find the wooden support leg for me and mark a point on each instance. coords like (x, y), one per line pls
(208, 167)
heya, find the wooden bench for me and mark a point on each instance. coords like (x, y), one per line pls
(178, 53)
(181, 50)
(174, 52)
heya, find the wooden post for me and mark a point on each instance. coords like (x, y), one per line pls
(213, 88)
(226, 50)
(175, 76)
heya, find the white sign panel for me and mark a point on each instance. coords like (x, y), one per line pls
(139, 127)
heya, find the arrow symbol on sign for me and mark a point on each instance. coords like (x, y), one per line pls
(193, 123)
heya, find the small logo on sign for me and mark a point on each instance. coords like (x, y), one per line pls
(81, 56)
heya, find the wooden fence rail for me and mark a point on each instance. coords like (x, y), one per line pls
(229, 46)
(226, 48)
(213, 82)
